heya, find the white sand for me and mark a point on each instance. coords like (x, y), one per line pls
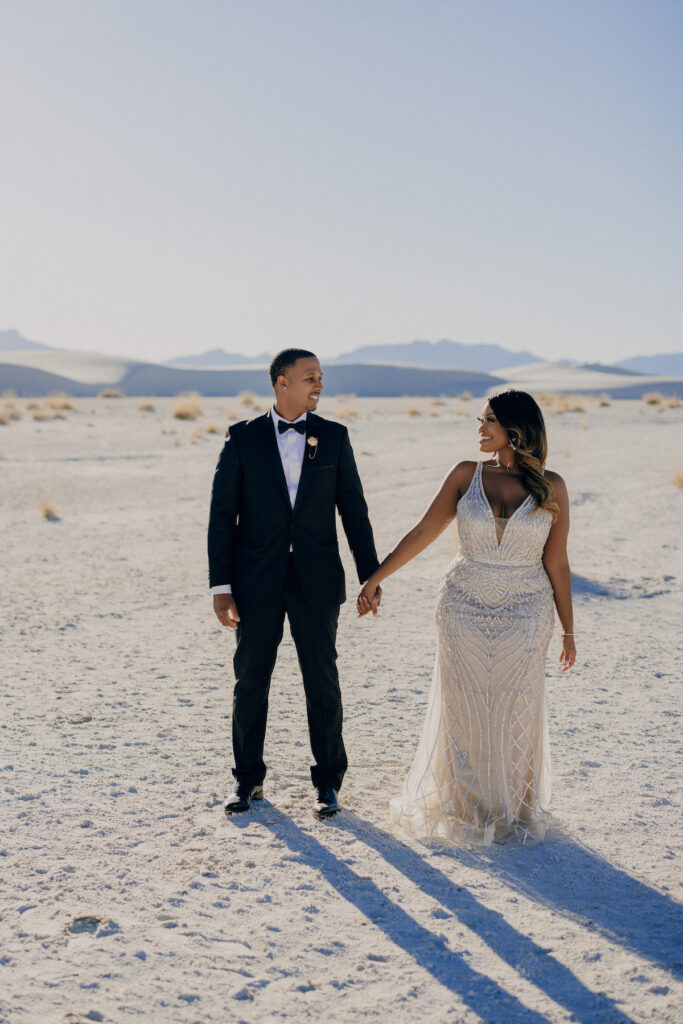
(115, 751)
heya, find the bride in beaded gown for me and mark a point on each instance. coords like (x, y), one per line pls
(482, 771)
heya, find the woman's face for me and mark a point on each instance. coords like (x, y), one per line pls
(492, 435)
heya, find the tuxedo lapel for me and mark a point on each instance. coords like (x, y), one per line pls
(272, 452)
(313, 425)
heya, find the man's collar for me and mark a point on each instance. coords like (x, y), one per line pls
(277, 417)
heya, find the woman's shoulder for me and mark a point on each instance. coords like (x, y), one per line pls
(556, 482)
(461, 475)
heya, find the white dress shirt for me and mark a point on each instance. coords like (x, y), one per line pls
(291, 445)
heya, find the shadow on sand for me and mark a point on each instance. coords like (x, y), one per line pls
(619, 907)
(489, 1000)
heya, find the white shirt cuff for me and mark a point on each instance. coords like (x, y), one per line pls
(224, 588)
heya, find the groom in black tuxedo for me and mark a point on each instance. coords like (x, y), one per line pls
(273, 552)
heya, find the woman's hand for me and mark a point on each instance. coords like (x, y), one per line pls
(369, 598)
(568, 655)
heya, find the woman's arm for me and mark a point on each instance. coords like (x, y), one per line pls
(556, 565)
(439, 514)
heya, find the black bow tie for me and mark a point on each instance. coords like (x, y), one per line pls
(283, 426)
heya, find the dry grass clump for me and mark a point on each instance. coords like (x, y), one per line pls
(211, 428)
(461, 412)
(604, 399)
(110, 393)
(49, 511)
(677, 479)
(433, 412)
(584, 425)
(43, 413)
(345, 412)
(569, 403)
(32, 405)
(4, 418)
(438, 401)
(10, 410)
(247, 398)
(672, 403)
(189, 408)
(146, 407)
(653, 398)
(58, 402)
(465, 397)
(412, 410)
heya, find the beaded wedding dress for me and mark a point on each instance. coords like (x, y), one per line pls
(481, 772)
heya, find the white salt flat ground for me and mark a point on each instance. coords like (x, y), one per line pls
(125, 892)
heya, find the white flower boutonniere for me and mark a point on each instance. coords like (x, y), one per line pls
(312, 443)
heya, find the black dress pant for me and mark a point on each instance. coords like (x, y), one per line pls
(314, 631)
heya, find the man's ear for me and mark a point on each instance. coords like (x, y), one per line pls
(281, 383)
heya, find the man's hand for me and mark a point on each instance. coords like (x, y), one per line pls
(226, 610)
(369, 599)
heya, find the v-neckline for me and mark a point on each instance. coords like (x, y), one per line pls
(484, 495)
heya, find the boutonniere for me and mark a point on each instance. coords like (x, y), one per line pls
(312, 443)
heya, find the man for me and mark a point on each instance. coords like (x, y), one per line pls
(273, 552)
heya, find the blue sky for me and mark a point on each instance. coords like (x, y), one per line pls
(179, 176)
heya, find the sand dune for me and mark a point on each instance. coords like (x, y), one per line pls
(549, 376)
(125, 890)
(85, 373)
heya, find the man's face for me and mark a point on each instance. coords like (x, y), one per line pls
(304, 381)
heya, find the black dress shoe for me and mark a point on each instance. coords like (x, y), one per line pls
(241, 799)
(327, 802)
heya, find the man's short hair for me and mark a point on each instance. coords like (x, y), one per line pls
(283, 360)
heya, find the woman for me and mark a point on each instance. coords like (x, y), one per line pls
(482, 772)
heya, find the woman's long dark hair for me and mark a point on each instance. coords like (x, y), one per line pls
(521, 416)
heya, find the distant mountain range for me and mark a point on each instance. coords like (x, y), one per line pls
(219, 357)
(444, 354)
(669, 364)
(12, 341)
(441, 354)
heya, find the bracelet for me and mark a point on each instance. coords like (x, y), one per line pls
(567, 634)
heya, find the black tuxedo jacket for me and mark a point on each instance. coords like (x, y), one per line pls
(252, 524)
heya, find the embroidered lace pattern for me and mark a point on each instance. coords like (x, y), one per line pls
(481, 772)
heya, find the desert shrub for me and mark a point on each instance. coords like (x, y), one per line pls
(188, 408)
(465, 396)
(58, 402)
(4, 418)
(49, 511)
(110, 393)
(146, 407)
(433, 412)
(677, 479)
(211, 428)
(672, 403)
(438, 401)
(569, 403)
(412, 410)
(345, 412)
(10, 408)
(653, 398)
(604, 399)
(247, 398)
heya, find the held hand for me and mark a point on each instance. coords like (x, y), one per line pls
(226, 610)
(369, 599)
(568, 655)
